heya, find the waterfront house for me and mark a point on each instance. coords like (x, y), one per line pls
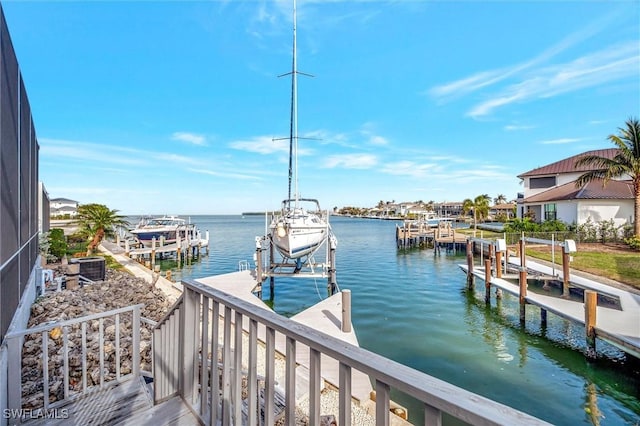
(448, 208)
(505, 210)
(63, 207)
(550, 193)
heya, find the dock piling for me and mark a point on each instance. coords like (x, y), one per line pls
(523, 292)
(487, 280)
(346, 311)
(565, 273)
(590, 305)
(470, 276)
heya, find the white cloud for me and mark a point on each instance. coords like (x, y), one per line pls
(225, 174)
(516, 127)
(560, 141)
(610, 64)
(410, 168)
(351, 161)
(169, 159)
(77, 150)
(483, 79)
(192, 138)
(378, 140)
(267, 145)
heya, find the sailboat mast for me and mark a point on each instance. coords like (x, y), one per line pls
(293, 130)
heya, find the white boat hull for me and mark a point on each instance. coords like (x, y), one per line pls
(298, 236)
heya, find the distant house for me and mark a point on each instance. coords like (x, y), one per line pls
(448, 208)
(505, 209)
(63, 206)
(550, 193)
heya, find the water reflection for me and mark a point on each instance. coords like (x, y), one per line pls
(591, 406)
(617, 376)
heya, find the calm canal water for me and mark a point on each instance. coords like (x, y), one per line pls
(412, 306)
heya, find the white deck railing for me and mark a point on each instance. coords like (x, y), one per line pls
(207, 321)
(61, 343)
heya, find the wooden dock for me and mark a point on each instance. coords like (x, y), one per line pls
(621, 328)
(420, 234)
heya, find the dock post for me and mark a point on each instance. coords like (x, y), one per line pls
(498, 264)
(346, 311)
(272, 281)
(490, 252)
(206, 235)
(153, 253)
(523, 293)
(487, 280)
(590, 304)
(565, 274)
(470, 277)
(178, 251)
(258, 261)
(331, 284)
(523, 255)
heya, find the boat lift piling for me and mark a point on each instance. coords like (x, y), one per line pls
(267, 266)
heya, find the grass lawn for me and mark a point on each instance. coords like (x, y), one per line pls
(619, 265)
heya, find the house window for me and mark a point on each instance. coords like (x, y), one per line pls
(542, 182)
(550, 211)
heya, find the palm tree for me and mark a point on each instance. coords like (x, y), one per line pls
(479, 206)
(95, 221)
(625, 163)
(500, 199)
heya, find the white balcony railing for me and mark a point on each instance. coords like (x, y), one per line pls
(73, 358)
(206, 351)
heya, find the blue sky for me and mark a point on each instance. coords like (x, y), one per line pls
(156, 107)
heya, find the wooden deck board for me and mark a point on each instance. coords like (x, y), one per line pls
(128, 403)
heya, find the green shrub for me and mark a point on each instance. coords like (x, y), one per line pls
(633, 242)
(57, 243)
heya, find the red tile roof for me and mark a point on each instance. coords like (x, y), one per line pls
(568, 164)
(594, 190)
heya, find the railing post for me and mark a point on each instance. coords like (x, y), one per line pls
(382, 403)
(252, 377)
(432, 416)
(189, 343)
(136, 341)
(344, 415)
(14, 376)
(590, 309)
(314, 387)
(237, 373)
(290, 381)
(214, 377)
(226, 368)
(269, 382)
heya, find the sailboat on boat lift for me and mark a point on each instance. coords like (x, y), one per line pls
(300, 228)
